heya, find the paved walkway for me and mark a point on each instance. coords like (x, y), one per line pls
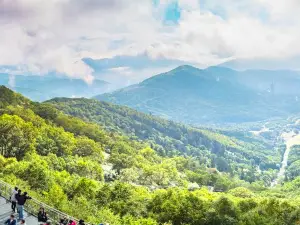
(5, 212)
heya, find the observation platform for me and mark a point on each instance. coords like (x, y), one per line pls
(5, 212)
(31, 207)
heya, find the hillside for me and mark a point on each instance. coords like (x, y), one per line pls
(214, 96)
(168, 138)
(63, 161)
(41, 88)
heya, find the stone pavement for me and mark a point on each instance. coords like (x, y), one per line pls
(5, 212)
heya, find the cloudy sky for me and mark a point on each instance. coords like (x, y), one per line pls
(137, 38)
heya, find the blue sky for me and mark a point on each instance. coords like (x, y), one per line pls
(172, 13)
(44, 36)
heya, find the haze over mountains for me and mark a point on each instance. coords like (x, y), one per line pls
(41, 88)
(291, 63)
(213, 95)
(187, 94)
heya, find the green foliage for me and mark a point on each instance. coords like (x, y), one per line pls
(209, 148)
(66, 163)
(17, 137)
(8, 97)
(241, 192)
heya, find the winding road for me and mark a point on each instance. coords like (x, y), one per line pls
(290, 140)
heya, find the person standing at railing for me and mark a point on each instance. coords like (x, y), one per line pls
(21, 202)
(11, 221)
(42, 215)
(13, 199)
(72, 222)
(63, 221)
(17, 195)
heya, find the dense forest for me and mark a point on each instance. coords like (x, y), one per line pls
(210, 147)
(103, 176)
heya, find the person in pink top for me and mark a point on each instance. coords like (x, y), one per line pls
(72, 222)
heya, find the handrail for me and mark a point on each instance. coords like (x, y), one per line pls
(32, 207)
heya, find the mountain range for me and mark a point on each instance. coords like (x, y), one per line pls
(213, 95)
(216, 95)
(291, 63)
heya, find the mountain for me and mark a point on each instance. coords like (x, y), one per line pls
(210, 147)
(41, 88)
(213, 95)
(290, 63)
(125, 70)
(66, 162)
(141, 61)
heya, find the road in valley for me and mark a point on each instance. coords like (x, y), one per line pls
(290, 139)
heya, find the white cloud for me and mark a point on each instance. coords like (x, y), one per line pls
(124, 69)
(41, 36)
(280, 10)
(205, 37)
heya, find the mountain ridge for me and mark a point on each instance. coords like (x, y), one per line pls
(213, 95)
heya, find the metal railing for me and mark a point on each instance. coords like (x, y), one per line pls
(32, 206)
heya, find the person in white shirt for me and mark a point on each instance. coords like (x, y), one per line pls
(13, 199)
(22, 222)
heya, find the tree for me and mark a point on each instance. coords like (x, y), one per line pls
(241, 192)
(87, 147)
(17, 137)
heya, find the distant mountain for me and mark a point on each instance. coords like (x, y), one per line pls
(122, 71)
(291, 63)
(213, 95)
(141, 62)
(41, 88)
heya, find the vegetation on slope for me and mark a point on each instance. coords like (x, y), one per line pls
(209, 148)
(215, 95)
(61, 160)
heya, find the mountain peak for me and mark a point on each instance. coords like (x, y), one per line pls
(212, 69)
(185, 67)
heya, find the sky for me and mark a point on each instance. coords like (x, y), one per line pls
(41, 37)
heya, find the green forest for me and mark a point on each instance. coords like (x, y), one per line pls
(102, 167)
(209, 147)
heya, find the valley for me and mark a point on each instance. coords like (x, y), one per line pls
(285, 134)
(290, 139)
(128, 163)
(208, 146)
